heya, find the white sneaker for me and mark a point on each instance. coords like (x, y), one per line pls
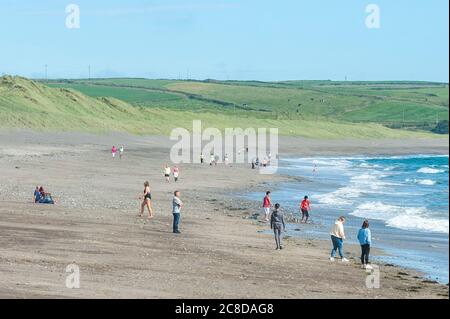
(344, 260)
(331, 258)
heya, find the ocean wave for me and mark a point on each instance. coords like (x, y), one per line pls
(426, 182)
(430, 170)
(407, 218)
(358, 185)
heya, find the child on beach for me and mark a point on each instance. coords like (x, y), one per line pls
(177, 204)
(278, 225)
(365, 240)
(146, 201)
(176, 172)
(305, 208)
(113, 151)
(337, 238)
(167, 172)
(121, 152)
(266, 206)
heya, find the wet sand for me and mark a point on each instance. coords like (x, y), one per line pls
(221, 253)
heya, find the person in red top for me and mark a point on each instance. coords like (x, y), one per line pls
(266, 206)
(305, 208)
(113, 151)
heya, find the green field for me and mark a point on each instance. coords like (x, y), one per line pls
(317, 109)
(412, 105)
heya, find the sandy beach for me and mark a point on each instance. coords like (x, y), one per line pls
(221, 253)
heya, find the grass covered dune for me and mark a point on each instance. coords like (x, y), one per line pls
(33, 105)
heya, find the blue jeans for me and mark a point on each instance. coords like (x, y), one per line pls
(337, 245)
(176, 221)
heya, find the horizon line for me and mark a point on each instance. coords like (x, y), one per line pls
(227, 80)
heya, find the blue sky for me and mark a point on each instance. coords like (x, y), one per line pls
(227, 39)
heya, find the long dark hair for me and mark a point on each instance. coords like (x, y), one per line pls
(365, 224)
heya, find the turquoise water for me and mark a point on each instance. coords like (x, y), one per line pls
(404, 197)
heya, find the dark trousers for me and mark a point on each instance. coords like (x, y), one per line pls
(305, 213)
(365, 251)
(277, 232)
(176, 222)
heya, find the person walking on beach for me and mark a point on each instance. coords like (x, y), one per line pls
(113, 151)
(146, 201)
(365, 240)
(278, 225)
(176, 173)
(167, 172)
(202, 158)
(266, 206)
(305, 208)
(177, 204)
(121, 149)
(337, 239)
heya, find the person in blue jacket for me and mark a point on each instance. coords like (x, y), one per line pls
(37, 195)
(365, 240)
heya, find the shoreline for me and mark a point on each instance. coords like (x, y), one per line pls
(426, 250)
(220, 254)
(298, 234)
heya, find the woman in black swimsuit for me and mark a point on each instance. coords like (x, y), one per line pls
(146, 201)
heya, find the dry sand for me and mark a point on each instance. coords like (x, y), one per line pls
(221, 253)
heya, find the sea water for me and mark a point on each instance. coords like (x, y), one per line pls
(405, 199)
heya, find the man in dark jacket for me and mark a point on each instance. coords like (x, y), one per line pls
(277, 224)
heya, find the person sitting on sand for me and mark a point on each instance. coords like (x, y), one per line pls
(146, 201)
(36, 195)
(337, 238)
(42, 192)
(365, 240)
(47, 199)
(305, 208)
(266, 206)
(42, 197)
(167, 172)
(278, 225)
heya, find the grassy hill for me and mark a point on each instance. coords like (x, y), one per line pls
(412, 105)
(156, 106)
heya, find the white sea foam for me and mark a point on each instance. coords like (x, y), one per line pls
(408, 218)
(427, 182)
(358, 185)
(430, 170)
